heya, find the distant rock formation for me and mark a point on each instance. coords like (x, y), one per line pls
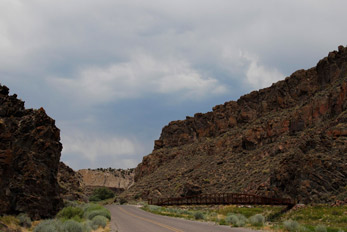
(71, 184)
(30, 150)
(116, 179)
(286, 140)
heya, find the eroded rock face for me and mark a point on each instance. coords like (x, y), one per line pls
(71, 184)
(30, 150)
(285, 140)
(117, 180)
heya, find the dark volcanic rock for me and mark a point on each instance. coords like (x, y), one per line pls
(190, 189)
(285, 140)
(29, 157)
(71, 184)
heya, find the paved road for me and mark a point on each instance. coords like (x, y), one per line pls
(126, 218)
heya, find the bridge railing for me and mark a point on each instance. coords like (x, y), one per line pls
(220, 199)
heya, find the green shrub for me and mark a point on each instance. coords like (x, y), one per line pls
(237, 220)
(291, 226)
(49, 226)
(248, 212)
(232, 219)
(199, 215)
(70, 212)
(173, 210)
(91, 207)
(320, 228)
(100, 212)
(92, 210)
(99, 221)
(24, 220)
(154, 208)
(70, 203)
(72, 226)
(242, 218)
(222, 222)
(101, 194)
(257, 220)
(87, 226)
(213, 214)
(94, 227)
(188, 212)
(303, 229)
(94, 198)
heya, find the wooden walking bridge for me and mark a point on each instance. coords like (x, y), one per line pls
(222, 199)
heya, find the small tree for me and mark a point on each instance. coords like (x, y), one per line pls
(257, 220)
(291, 226)
(199, 215)
(100, 194)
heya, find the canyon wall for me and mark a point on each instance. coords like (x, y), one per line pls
(116, 179)
(72, 187)
(30, 150)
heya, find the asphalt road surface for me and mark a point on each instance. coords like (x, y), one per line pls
(126, 218)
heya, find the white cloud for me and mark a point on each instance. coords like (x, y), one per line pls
(140, 76)
(259, 76)
(100, 150)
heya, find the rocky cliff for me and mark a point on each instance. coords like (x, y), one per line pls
(71, 184)
(286, 140)
(116, 179)
(30, 150)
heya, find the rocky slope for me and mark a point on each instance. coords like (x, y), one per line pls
(116, 179)
(71, 184)
(286, 140)
(30, 150)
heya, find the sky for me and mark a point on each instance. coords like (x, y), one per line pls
(113, 73)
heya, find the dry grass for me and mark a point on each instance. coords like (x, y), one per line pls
(106, 229)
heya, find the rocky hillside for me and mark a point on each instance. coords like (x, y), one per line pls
(71, 184)
(30, 150)
(286, 140)
(116, 179)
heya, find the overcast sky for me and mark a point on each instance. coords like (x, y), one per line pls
(112, 73)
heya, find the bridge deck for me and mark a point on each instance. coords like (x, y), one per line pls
(221, 199)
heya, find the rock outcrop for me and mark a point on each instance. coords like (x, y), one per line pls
(117, 180)
(71, 184)
(30, 150)
(286, 140)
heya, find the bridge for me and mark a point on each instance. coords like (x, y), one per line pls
(222, 199)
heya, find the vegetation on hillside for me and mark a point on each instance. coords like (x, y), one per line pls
(117, 172)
